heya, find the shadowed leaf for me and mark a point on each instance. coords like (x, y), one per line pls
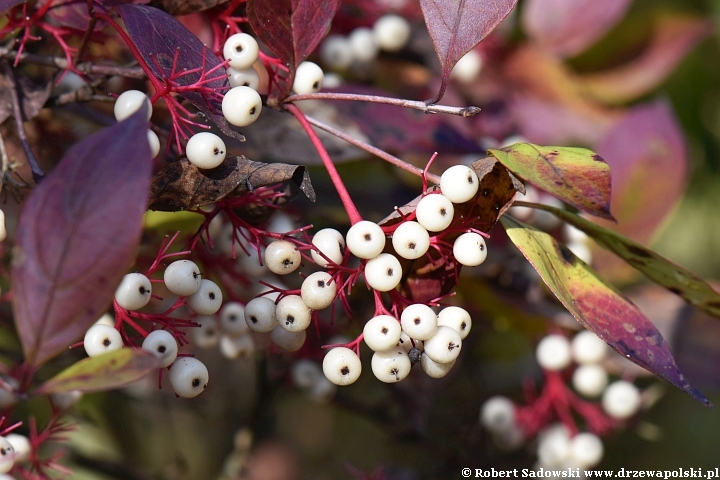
(77, 235)
(104, 372)
(456, 26)
(160, 37)
(6, 5)
(182, 186)
(186, 7)
(576, 176)
(597, 305)
(567, 27)
(32, 96)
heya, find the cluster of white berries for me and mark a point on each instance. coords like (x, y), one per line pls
(188, 376)
(130, 102)
(13, 448)
(389, 33)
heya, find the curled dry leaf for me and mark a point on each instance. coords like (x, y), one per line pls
(32, 96)
(182, 186)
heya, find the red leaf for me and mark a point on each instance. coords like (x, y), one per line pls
(567, 27)
(77, 235)
(6, 5)
(291, 28)
(456, 26)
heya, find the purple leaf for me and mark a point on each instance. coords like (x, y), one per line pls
(6, 5)
(291, 28)
(597, 305)
(77, 235)
(160, 37)
(456, 26)
(567, 27)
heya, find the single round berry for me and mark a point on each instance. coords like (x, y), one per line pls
(434, 212)
(188, 377)
(621, 399)
(154, 142)
(207, 300)
(7, 455)
(21, 445)
(391, 366)
(130, 102)
(362, 44)
(365, 239)
(553, 446)
(336, 52)
(553, 352)
(469, 249)
(590, 380)
(459, 183)
(241, 106)
(382, 333)
(341, 366)
(101, 339)
(434, 369)
(240, 346)
(410, 240)
(3, 227)
(332, 245)
(163, 345)
(419, 321)
(241, 50)
(292, 314)
(105, 319)
(287, 340)
(305, 373)
(282, 257)
(308, 78)
(444, 346)
(134, 291)
(260, 315)
(392, 32)
(408, 343)
(588, 348)
(468, 67)
(497, 414)
(246, 77)
(509, 440)
(232, 319)
(318, 290)
(456, 318)
(205, 150)
(182, 277)
(586, 449)
(383, 273)
(207, 334)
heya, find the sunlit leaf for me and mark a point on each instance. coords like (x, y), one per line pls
(597, 305)
(456, 26)
(104, 372)
(576, 176)
(77, 235)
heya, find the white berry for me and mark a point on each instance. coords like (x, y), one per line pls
(588, 348)
(382, 333)
(434, 369)
(392, 32)
(205, 150)
(7, 455)
(287, 340)
(621, 399)
(101, 339)
(318, 290)
(586, 449)
(391, 366)
(134, 291)
(241, 106)
(308, 78)
(553, 445)
(435, 212)
(459, 183)
(419, 321)
(282, 257)
(341, 366)
(245, 77)
(468, 67)
(241, 346)
(336, 52)
(456, 318)
(182, 277)
(154, 142)
(292, 314)
(383, 273)
(408, 343)
(188, 377)
(363, 45)
(365, 239)
(331, 243)
(590, 380)
(163, 345)
(497, 414)
(232, 319)
(241, 50)
(411, 240)
(305, 373)
(207, 300)
(207, 335)
(130, 102)
(260, 315)
(469, 249)
(553, 352)
(444, 346)
(21, 445)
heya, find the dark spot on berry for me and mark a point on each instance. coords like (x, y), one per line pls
(143, 290)
(210, 332)
(196, 274)
(470, 179)
(412, 245)
(239, 49)
(463, 326)
(344, 370)
(253, 319)
(316, 85)
(482, 247)
(452, 346)
(252, 111)
(106, 342)
(443, 212)
(290, 319)
(287, 262)
(414, 354)
(216, 151)
(321, 283)
(367, 237)
(161, 349)
(384, 330)
(195, 382)
(232, 318)
(417, 321)
(395, 372)
(211, 295)
(389, 272)
(3, 451)
(246, 84)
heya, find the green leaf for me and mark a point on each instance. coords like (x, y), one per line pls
(598, 306)
(104, 372)
(660, 270)
(576, 176)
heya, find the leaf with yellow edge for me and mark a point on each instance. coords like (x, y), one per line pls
(598, 306)
(104, 372)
